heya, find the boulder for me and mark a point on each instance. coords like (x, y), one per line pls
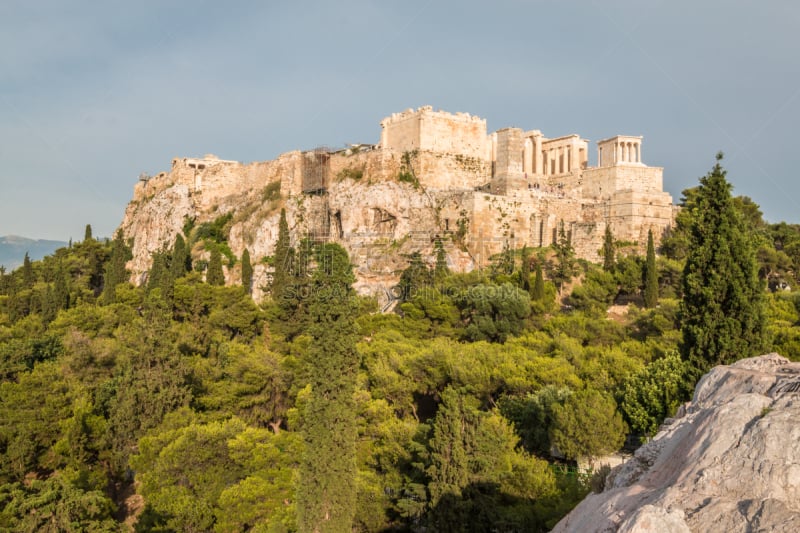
(729, 461)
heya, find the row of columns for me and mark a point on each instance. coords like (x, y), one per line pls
(628, 152)
(551, 161)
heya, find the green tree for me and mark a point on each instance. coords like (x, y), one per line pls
(247, 272)
(87, 233)
(608, 250)
(214, 274)
(587, 425)
(563, 270)
(722, 312)
(115, 272)
(440, 271)
(525, 270)
(326, 493)
(27, 272)
(654, 393)
(650, 274)
(538, 283)
(415, 277)
(181, 260)
(283, 259)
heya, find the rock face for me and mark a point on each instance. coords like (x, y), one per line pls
(729, 461)
(434, 175)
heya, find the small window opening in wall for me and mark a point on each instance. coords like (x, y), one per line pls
(447, 224)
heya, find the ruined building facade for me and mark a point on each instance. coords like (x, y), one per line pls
(432, 174)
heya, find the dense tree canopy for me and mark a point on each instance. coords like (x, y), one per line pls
(467, 407)
(722, 313)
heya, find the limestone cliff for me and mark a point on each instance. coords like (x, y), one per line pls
(728, 462)
(434, 175)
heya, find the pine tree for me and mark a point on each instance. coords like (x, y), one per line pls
(326, 493)
(650, 274)
(247, 272)
(214, 274)
(283, 262)
(608, 250)
(722, 311)
(87, 233)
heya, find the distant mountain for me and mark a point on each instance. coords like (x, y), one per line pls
(13, 248)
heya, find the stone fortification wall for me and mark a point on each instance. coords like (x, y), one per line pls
(603, 182)
(434, 174)
(435, 131)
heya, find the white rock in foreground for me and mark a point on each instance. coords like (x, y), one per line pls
(729, 462)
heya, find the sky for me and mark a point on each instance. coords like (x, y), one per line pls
(94, 93)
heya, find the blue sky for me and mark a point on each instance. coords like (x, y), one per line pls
(94, 93)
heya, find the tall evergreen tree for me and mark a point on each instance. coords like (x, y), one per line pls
(159, 276)
(440, 270)
(180, 264)
(650, 274)
(61, 289)
(247, 272)
(538, 283)
(525, 270)
(326, 493)
(608, 250)
(722, 311)
(283, 262)
(564, 268)
(214, 274)
(87, 233)
(27, 272)
(116, 272)
(414, 278)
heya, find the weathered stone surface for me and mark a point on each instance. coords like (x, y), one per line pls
(728, 462)
(434, 175)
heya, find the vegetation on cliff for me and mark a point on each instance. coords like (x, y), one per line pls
(466, 409)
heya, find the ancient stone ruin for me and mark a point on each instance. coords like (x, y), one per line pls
(432, 175)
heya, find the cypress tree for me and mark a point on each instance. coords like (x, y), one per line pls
(27, 272)
(326, 493)
(440, 270)
(214, 274)
(87, 233)
(180, 264)
(608, 250)
(247, 272)
(650, 274)
(564, 268)
(61, 289)
(160, 276)
(538, 283)
(283, 261)
(525, 270)
(722, 311)
(116, 272)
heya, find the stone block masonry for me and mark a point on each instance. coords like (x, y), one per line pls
(432, 175)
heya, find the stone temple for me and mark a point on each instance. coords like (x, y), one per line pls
(432, 175)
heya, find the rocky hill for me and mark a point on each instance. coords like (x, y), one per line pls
(729, 461)
(433, 176)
